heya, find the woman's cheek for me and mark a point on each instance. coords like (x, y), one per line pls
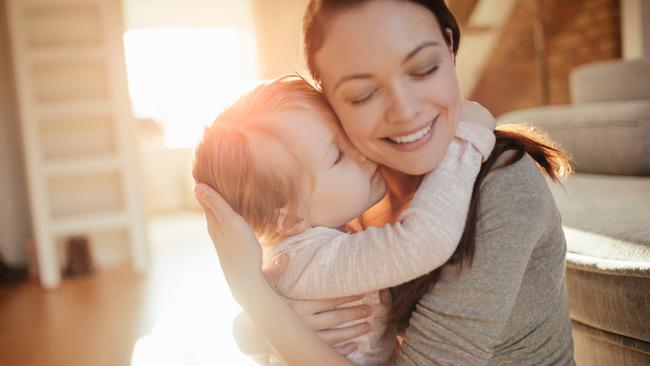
(360, 130)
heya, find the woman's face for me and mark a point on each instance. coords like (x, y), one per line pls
(391, 79)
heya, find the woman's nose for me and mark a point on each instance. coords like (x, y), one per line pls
(403, 107)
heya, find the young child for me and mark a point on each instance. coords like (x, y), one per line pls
(278, 157)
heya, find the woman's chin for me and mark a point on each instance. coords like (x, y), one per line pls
(417, 164)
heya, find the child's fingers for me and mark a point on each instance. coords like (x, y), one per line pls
(474, 112)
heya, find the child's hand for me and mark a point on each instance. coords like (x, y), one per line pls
(473, 112)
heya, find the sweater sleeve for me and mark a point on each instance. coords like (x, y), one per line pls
(328, 263)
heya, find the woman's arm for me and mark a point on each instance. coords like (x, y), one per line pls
(425, 236)
(241, 261)
(321, 316)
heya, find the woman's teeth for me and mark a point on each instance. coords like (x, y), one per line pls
(412, 137)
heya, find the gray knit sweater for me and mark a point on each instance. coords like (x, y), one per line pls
(510, 306)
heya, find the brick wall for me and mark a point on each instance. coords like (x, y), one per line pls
(575, 32)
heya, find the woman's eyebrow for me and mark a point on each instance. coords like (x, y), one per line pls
(410, 55)
(418, 49)
(351, 77)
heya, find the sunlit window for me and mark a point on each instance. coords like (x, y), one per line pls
(183, 77)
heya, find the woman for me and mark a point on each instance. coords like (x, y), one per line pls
(387, 68)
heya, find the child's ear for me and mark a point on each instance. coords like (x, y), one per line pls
(291, 224)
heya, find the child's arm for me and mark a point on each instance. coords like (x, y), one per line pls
(331, 263)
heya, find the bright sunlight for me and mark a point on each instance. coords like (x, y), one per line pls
(183, 77)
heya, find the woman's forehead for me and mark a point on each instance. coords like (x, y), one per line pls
(363, 36)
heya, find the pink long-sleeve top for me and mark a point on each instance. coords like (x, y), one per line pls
(328, 263)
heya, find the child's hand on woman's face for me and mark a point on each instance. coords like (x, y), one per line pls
(473, 112)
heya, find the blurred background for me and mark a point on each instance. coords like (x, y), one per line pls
(105, 259)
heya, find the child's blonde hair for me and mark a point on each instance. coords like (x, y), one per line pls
(246, 157)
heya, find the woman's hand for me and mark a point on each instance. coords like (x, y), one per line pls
(240, 256)
(471, 111)
(323, 316)
(320, 316)
(239, 252)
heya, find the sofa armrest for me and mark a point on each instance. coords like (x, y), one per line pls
(611, 80)
(603, 138)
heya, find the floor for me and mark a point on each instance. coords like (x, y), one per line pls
(178, 314)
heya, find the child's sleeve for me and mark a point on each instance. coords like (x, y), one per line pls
(333, 263)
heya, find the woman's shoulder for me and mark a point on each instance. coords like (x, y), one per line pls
(522, 175)
(517, 189)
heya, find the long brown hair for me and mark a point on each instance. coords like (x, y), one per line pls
(521, 139)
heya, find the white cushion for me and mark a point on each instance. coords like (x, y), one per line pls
(610, 80)
(605, 138)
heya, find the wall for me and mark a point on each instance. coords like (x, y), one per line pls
(575, 32)
(14, 212)
(635, 15)
(166, 173)
(236, 14)
(278, 26)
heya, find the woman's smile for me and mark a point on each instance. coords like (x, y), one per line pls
(396, 96)
(412, 141)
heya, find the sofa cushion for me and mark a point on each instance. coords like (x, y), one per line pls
(610, 80)
(594, 347)
(607, 227)
(605, 138)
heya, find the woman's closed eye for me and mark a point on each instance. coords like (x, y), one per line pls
(425, 71)
(363, 98)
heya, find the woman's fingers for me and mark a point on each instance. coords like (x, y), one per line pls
(345, 334)
(213, 200)
(311, 307)
(346, 349)
(222, 219)
(334, 318)
(237, 247)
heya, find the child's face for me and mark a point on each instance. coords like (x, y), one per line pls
(343, 187)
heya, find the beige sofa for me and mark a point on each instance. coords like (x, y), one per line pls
(605, 208)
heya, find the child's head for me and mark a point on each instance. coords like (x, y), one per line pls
(280, 160)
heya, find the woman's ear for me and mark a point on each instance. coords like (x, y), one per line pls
(290, 223)
(450, 34)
